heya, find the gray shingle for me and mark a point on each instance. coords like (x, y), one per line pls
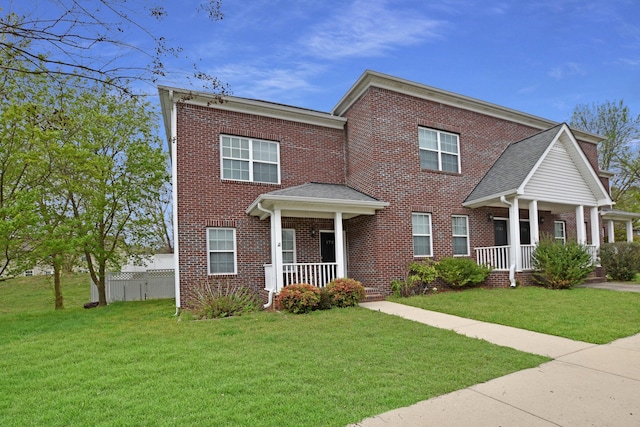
(317, 190)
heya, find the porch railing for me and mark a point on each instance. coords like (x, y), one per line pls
(497, 257)
(316, 274)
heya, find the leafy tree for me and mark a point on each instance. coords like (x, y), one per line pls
(64, 35)
(619, 151)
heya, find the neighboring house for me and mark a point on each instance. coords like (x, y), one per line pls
(150, 262)
(267, 194)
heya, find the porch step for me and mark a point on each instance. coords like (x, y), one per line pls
(373, 294)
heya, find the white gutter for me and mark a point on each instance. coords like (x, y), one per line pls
(512, 267)
(173, 145)
(270, 214)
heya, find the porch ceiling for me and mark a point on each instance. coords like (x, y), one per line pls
(316, 200)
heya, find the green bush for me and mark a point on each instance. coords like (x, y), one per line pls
(419, 276)
(299, 298)
(621, 260)
(345, 292)
(560, 266)
(461, 272)
(218, 301)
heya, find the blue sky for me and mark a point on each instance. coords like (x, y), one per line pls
(542, 57)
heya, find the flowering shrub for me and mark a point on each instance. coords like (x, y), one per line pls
(299, 298)
(345, 292)
(218, 300)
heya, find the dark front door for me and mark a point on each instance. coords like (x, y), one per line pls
(328, 246)
(500, 232)
(525, 233)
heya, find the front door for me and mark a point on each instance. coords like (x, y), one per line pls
(525, 233)
(500, 232)
(328, 246)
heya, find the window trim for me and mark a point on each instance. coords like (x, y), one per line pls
(439, 150)
(564, 232)
(294, 251)
(430, 235)
(210, 251)
(465, 236)
(250, 160)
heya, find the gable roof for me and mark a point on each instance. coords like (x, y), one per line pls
(316, 200)
(522, 163)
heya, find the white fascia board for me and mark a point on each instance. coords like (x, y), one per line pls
(259, 108)
(476, 203)
(316, 204)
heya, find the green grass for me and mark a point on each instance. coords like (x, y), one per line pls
(137, 364)
(591, 315)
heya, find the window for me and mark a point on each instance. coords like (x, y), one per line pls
(558, 231)
(221, 247)
(421, 234)
(28, 273)
(254, 160)
(460, 226)
(439, 150)
(288, 246)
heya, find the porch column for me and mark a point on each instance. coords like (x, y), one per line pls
(337, 226)
(611, 233)
(277, 239)
(514, 235)
(533, 222)
(629, 231)
(595, 228)
(580, 228)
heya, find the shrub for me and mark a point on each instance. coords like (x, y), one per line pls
(325, 299)
(461, 272)
(420, 274)
(621, 260)
(299, 298)
(345, 292)
(218, 301)
(560, 266)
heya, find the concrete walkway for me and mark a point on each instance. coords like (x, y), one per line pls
(585, 384)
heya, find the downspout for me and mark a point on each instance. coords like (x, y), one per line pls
(271, 291)
(512, 267)
(174, 197)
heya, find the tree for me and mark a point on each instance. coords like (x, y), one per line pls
(64, 35)
(619, 151)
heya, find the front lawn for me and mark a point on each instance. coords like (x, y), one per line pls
(591, 315)
(136, 364)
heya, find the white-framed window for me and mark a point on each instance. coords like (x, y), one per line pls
(439, 150)
(247, 159)
(559, 231)
(221, 250)
(422, 246)
(460, 226)
(288, 246)
(28, 273)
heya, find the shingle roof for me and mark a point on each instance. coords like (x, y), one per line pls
(316, 190)
(514, 165)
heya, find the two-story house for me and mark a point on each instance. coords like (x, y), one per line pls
(267, 194)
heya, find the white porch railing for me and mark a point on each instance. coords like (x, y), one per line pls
(316, 274)
(497, 257)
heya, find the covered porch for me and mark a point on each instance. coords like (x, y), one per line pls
(548, 172)
(309, 204)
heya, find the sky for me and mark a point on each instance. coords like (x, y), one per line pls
(542, 57)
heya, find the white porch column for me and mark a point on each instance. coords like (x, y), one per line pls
(514, 235)
(629, 231)
(595, 227)
(533, 222)
(337, 227)
(277, 241)
(611, 233)
(580, 228)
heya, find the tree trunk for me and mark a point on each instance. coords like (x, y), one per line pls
(56, 286)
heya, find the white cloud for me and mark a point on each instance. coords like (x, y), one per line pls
(369, 28)
(567, 69)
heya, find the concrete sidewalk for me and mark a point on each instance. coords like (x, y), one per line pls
(586, 384)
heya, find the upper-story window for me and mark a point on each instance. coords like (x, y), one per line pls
(439, 150)
(247, 159)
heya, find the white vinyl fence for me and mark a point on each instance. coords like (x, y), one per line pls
(137, 286)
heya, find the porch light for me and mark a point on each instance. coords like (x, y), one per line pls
(490, 217)
(313, 232)
(541, 219)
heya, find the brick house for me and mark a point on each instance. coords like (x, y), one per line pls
(268, 194)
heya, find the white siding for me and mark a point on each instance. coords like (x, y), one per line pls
(558, 179)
